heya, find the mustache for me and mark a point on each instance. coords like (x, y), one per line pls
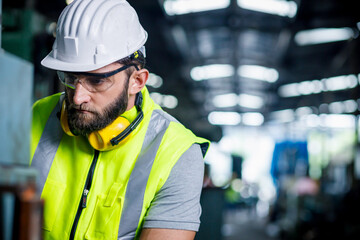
(82, 107)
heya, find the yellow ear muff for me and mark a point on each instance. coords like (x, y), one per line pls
(100, 140)
(64, 120)
(109, 137)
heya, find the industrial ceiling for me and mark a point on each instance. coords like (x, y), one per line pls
(235, 36)
(238, 36)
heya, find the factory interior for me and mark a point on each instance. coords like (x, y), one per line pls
(273, 84)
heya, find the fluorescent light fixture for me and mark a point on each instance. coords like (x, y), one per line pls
(337, 120)
(340, 82)
(167, 101)
(170, 101)
(252, 119)
(286, 115)
(258, 73)
(289, 90)
(302, 88)
(275, 7)
(250, 101)
(154, 81)
(225, 100)
(179, 7)
(336, 107)
(348, 106)
(211, 71)
(303, 111)
(315, 86)
(224, 118)
(68, 1)
(244, 100)
(157, 97)
(306, 88)
(312, 120)
(323, 35)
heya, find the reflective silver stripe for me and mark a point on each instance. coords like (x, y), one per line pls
(136, 187)
(47, 147)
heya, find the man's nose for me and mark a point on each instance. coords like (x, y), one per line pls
(81, 94)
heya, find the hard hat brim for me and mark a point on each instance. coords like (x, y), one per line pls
(55, 64)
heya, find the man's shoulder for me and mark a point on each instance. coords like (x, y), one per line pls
(48, 102)
(160, 113)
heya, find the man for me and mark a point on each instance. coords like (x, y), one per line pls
(111, 163)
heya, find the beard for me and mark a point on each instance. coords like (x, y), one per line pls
(84, 124)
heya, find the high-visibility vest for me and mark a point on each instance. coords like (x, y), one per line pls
(123, 181)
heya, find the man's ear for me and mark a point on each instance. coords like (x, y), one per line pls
(138, 80)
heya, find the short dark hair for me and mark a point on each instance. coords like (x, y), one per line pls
(136, 58)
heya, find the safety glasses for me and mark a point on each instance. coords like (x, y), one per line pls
(93, 82)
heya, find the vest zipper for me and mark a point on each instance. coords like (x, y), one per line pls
(86, 190)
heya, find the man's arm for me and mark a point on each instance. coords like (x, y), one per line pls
(175, 211)
(166, 234)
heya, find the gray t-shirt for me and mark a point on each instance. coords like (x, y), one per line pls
(177, 204)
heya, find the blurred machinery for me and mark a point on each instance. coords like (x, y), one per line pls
(20, 207)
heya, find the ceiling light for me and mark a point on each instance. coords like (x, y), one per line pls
(258, 73)
(286, 115)
(211, 71)
(252, 119)
(323, 35)
(179, 7)
(225, 100)
(312, 120)
(250, 101)
(154, 81)
(340, 82)
(224, 118)
(336, 107)
(337, 120)
(315, 86)
(347, 106)
(167, 101)
(276, 7)
(303, 111)
(306, 87)
(350, 106)
(157, 97)
(170, 101)
(289, 90)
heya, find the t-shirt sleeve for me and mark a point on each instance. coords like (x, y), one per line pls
(177, 204)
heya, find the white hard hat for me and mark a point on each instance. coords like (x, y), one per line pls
(91, 34)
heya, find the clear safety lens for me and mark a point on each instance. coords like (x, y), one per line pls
(93, 82)
(90, 83)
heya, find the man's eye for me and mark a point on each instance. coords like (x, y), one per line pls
(96, 81)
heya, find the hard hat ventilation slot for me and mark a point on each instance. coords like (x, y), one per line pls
(71, 45)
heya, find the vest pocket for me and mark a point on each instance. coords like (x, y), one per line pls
(105, 220)
(52, 194)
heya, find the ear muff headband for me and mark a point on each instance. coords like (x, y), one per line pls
(109, 137)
